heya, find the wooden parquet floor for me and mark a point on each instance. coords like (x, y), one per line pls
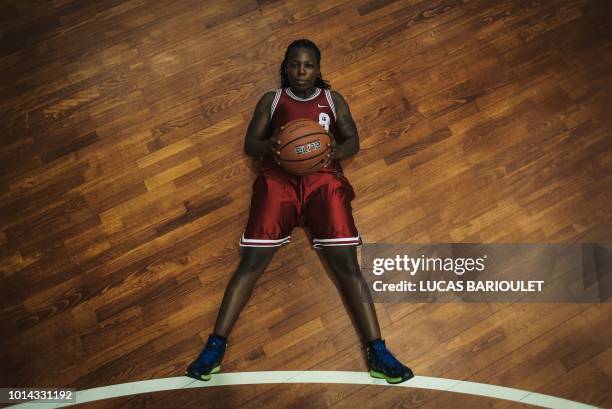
(124, 189)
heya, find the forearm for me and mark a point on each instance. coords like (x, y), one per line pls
(346, 149)
(258, 147)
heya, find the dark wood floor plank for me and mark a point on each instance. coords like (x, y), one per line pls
(124, 189)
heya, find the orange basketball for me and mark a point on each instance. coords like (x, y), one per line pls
(303, 146)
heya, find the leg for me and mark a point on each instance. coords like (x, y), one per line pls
(329, 214)
(273, 214)
(252, 264)
(342, 260)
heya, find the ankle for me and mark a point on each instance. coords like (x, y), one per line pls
(368, 344)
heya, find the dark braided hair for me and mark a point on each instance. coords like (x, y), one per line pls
(302, 43)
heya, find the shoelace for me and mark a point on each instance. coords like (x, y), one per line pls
(210, 353)
(385, 356)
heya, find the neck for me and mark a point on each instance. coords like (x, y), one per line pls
(304, 94)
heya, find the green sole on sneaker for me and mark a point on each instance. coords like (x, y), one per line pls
(207, 377)
(380, 375)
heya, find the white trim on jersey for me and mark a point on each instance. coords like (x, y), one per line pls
(313, 96)
(275, 102)
(328, 96)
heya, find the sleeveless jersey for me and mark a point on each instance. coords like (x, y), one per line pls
(287, 107)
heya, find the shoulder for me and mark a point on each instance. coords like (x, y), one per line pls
(265, 101)
(335, 94)
(268, 97)
(337, 98)
(340, 104)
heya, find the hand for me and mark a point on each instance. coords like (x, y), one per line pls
(275, 144)
(332, 149)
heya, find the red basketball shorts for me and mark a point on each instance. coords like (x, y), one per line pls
(282, 201)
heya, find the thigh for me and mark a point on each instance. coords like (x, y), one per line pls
(328, 211)
(274, 210)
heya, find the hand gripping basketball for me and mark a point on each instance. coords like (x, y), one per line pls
(276, 144)
(332, 149)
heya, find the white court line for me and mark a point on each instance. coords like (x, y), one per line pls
(340, 377)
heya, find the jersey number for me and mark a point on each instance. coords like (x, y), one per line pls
(324, 120)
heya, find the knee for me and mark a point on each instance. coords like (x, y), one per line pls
(343, 262)
(253, 262)
(349, 273)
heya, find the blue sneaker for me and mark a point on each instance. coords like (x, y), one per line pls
(384, 365)
(209, 360)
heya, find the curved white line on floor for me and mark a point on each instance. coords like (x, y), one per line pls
(340, 377)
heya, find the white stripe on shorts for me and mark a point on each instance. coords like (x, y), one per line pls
(244, 242)
(344, 241)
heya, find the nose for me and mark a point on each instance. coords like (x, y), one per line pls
(301, 69)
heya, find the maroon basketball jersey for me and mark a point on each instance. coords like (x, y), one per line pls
(318, 107)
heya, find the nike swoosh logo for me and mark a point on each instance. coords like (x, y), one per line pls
(322, 106)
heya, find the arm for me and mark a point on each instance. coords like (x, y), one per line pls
(258, 141)
(346, 129)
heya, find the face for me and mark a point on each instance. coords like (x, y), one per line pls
(302, 68)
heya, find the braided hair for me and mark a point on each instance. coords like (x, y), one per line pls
(302, 43)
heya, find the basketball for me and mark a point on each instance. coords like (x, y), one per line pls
(303, 146)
